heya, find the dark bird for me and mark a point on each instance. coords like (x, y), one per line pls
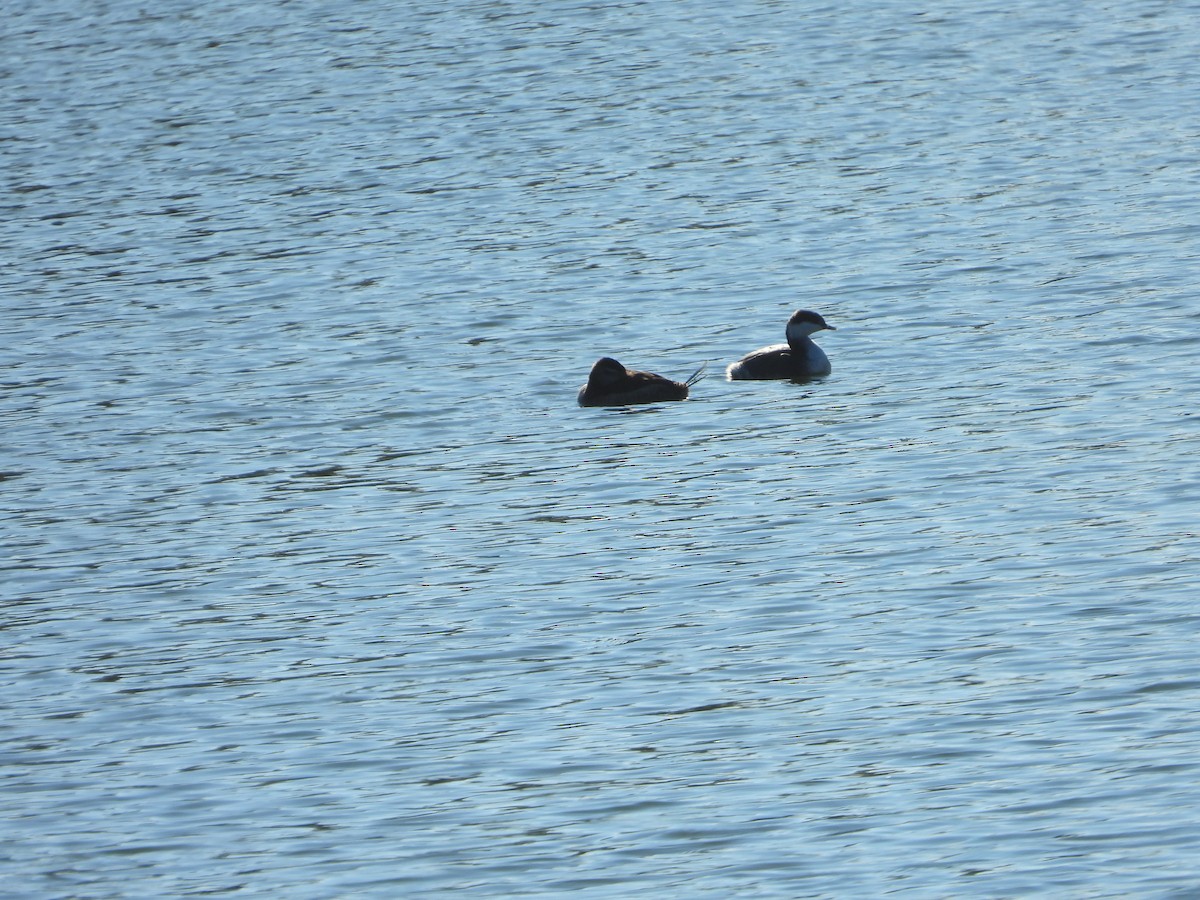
(611, 384)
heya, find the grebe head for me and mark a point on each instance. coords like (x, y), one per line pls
(803, 323)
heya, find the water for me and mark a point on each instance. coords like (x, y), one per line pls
(319, 584)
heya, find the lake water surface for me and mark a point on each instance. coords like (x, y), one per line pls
(318, 583)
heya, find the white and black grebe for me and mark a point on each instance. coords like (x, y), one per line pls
(797, 359)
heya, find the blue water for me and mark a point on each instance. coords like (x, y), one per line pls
(318, 583)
